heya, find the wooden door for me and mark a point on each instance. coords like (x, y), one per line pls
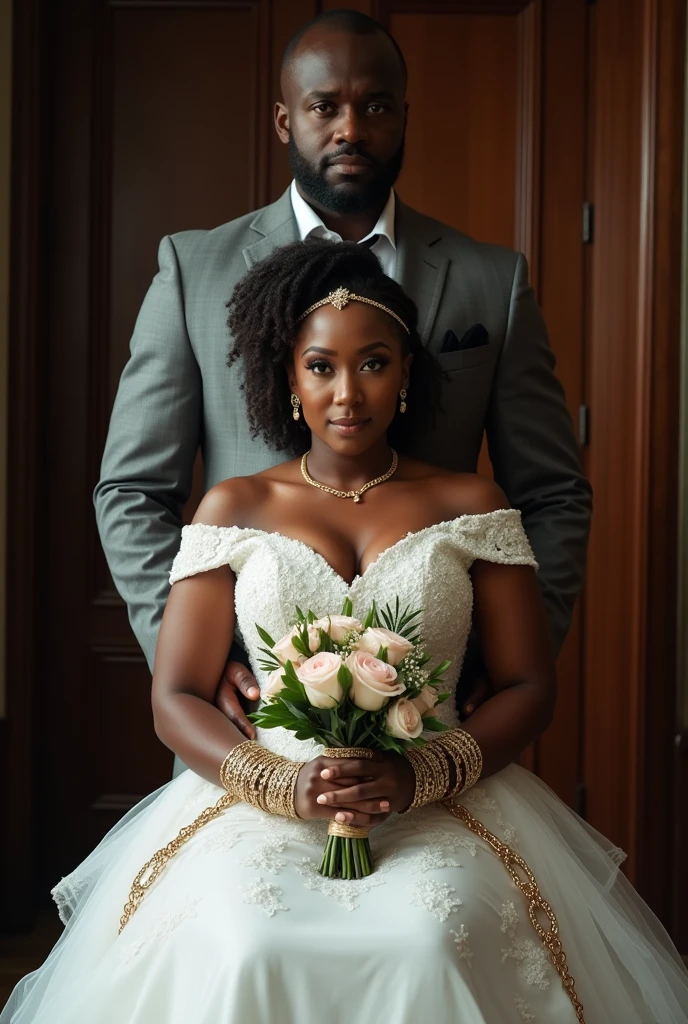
(496, 148)
(160, 121)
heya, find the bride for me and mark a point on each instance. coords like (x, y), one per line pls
(497, 906)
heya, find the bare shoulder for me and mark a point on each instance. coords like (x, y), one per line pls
(231, 502)
(456, 494)
(473, 495)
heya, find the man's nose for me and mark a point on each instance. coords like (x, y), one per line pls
(351, 127)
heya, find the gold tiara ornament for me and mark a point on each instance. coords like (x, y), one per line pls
(341, 297)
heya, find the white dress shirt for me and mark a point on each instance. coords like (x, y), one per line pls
(311, 226)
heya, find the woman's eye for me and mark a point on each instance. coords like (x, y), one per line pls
(374, 364)
(319, 366)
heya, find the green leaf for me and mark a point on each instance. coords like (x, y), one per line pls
(300, 617)
(325, 641)
(345, 678)
(434, 725)
(382, 654)
(441, 697)
(310, 618)
(301, 647)
(347, 607)
(265, 636)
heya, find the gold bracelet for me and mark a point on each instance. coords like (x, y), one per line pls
(466, 756)
(431, 766)
(261, 778)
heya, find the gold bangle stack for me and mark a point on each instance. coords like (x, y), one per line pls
(431, 765)
(261, 778)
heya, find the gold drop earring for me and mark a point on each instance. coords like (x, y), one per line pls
(402, 395)
(296, 405)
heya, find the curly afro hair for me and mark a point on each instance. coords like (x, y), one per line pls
(263, 319)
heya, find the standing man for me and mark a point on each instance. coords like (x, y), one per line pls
(343, 117)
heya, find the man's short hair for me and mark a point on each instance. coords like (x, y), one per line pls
(342, 20)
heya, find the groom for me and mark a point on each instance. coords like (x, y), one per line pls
(343, 117)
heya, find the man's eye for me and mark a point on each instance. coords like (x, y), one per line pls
(322, 108)
(377, 108)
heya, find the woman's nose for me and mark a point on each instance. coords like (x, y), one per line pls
(348, 392)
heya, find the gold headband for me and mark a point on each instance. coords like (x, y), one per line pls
(341, 297)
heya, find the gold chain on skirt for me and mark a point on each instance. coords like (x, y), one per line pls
(528, 886)
(536, 902)
(152, 869)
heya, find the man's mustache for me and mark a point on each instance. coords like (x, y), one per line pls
(349, 149)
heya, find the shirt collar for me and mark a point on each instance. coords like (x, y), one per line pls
(309, 223)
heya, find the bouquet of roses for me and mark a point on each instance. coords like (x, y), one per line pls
(348, 683)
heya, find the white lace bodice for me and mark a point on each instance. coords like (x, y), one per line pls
(428, 569)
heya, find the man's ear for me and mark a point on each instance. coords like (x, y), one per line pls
(282, 122)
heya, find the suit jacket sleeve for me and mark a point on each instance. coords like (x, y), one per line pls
(152, 442)
(535, 455)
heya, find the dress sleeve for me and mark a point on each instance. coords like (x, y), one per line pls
(206, 547)
(496, 537)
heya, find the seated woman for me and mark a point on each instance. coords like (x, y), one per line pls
(491, 902)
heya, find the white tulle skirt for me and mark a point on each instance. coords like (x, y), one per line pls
(241, 929)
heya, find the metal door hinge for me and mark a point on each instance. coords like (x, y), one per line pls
(583, 425)
(588, 223)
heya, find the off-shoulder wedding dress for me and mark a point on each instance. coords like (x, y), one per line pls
(241, 929)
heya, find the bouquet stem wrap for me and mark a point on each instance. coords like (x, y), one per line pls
(347, 851)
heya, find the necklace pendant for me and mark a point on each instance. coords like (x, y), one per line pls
(357, 497)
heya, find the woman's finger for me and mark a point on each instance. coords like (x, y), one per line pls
(355, 794)
(337, 768)
(358, 819)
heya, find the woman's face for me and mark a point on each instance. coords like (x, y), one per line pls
(348, 369)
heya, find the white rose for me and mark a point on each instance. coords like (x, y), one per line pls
(319, 676)
(403, 720)
(338, 626)
(375, 638)
(274, 684)
(374, 681)
(426, 700)
(285, 651)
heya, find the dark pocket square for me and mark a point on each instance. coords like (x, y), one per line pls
(474, 337)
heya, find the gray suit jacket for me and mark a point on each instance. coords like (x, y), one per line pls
(176, 394)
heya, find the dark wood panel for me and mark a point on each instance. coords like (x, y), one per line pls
(20, 765)
(183, 151)
(461, 141)
(656, 817)
(561, 291)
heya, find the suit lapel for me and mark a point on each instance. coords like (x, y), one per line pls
(275, 225)
(422, 270)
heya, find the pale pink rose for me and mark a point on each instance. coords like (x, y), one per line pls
(319, 676)
(274, 684)
(285, 651)
(376, 637)
(374, 681)
(426, 700)
(403, 720)
(338, 626)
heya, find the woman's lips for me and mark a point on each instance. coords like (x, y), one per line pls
(347, 427)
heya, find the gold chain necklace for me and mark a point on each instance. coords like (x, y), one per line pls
(356, 495)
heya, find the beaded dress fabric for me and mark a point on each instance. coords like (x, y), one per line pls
(241, 929)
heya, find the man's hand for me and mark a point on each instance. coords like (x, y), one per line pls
(237, 682)
(481, 692)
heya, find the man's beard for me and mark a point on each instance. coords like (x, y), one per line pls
(339, 200)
